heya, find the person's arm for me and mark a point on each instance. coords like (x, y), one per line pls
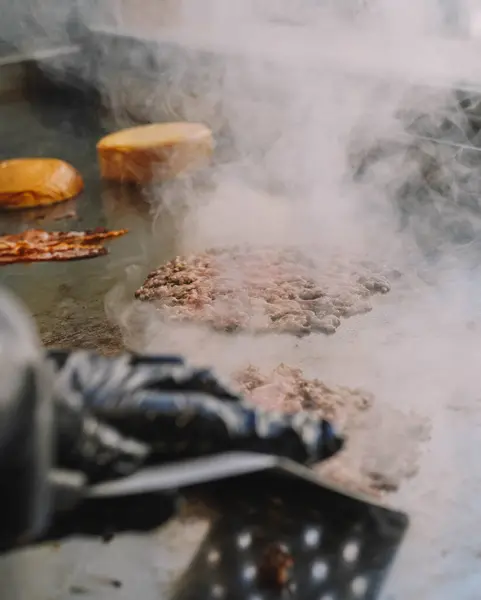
(26, 421)
(69, 420)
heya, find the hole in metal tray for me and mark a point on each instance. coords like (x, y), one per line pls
(341, 547)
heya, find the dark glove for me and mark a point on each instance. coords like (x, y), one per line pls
(173, 411)
(106, 517)
(101, 418)
(116, 415)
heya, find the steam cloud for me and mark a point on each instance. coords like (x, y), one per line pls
(296, 94)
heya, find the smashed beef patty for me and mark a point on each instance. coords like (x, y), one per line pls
(262, 290)
(372, 462)
(287, 389)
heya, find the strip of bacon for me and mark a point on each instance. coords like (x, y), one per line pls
(40, 236)
(75, 253)
(36, 245)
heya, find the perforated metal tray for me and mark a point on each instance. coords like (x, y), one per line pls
(341, 547)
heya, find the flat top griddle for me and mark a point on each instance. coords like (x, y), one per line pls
(67, 299)
(440, 558)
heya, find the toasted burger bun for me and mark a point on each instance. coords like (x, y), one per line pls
(154, 152)
(32, 182)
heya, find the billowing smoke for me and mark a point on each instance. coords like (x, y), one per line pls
(314, 107)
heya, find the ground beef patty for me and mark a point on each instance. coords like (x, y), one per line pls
(383, 443)
(288, 390)
(263, 290)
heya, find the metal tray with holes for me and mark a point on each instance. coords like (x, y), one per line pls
(338, 547)
(270, 529)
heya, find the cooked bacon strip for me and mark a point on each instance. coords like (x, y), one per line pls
(36, 245)
(70, 253)
(40, 236)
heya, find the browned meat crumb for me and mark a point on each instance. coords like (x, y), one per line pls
(262, 290)
(383, 483)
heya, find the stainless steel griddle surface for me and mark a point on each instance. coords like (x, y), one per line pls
(440, 556)
(67, 299)
(68, 302)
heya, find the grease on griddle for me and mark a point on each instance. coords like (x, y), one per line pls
(108, 581)
(78, 590)
(81, 590)
(107, 536)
